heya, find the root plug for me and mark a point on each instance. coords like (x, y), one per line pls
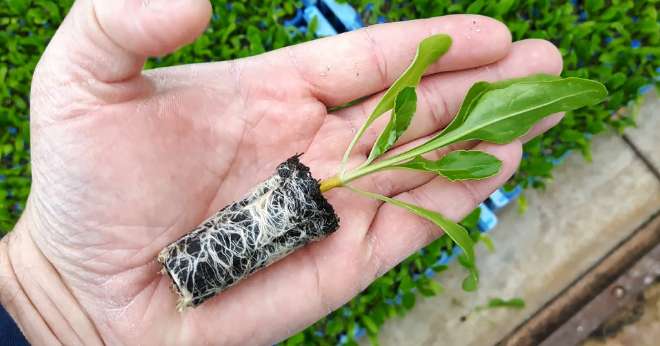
(280, 215)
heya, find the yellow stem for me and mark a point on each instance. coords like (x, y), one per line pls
(330, 183)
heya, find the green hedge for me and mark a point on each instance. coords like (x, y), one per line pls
(615, 42)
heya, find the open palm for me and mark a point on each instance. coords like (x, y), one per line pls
(125, 162)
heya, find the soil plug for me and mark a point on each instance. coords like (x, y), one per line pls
(280, 215)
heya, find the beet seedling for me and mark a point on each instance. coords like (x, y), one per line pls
(288, 210)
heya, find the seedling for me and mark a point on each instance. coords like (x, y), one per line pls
(498, 303)
(288, 210)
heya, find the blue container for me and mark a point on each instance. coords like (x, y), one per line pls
(298, 20)
(332, 17)
(323, 27)
(513, 193)
(497, 200)
(444, 259)
(346, 17)
(487, 219)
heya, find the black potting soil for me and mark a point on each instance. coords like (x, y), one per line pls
(280, 215)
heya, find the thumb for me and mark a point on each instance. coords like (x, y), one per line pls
(108, 41)
(152, 27)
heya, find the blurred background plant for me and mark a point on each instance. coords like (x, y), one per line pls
(615, 42)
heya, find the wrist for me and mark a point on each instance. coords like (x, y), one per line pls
(15, 300)
(35, 296)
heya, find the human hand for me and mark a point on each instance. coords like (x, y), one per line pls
(125, 162)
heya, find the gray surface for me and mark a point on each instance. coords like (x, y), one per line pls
(643, 332)
(566, 229)
(646, 136)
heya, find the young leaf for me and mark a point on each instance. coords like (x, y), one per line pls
(429, 288)
(406, 284)
(514, 303)
(478, 89)
(455, 231)
(371, 326)
(334, 326)
(373, 340)
(295, 340)
(428, 51)
(502, 114)
(408, 300)
(471, 282)
(472, 219)
(435, 287)
(458, 165)
(439, 268)
(487, 241)
(404, 109)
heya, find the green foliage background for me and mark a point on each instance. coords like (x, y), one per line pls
(615, 42)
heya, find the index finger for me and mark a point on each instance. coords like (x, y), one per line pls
(345, 67)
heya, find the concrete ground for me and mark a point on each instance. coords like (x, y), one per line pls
(590, 210)
(639, 324)
(648, 325)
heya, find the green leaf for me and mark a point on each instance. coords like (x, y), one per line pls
(594, 5)
(435, 287)
(514, 303)
(487, 241)
(408, 300)
(17, 6)
(475, 6)
(471, 282)
(503, 114)
(378, 314)
(428, 51)
(477, 90)
(373, 339)
(503, 6)
(404, 109)
(522, 204)
(438, 268)
(459, 165)
(503, 111)
(406, 283)
(455, 231)
(297, 339)
(368, 323)
(472, 219)
(334, 326)
(428, 287)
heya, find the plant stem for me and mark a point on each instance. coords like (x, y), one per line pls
(341, 180)
(364, 170)
(330, 183)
